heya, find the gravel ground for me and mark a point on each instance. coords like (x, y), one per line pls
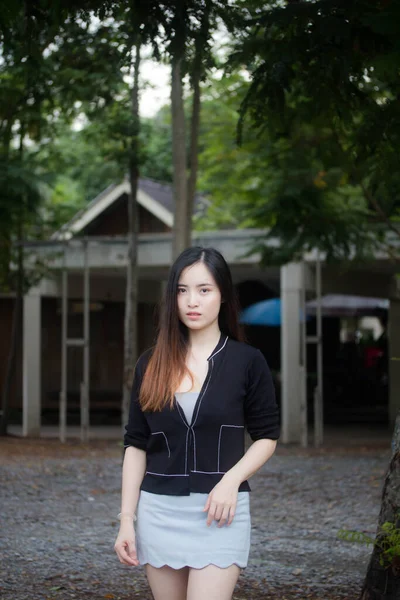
(58, 525)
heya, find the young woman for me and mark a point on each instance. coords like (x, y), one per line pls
(185, 470)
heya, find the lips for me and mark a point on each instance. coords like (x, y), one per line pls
(193, 314)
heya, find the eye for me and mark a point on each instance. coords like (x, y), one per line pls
(204, 290)
(180, 290)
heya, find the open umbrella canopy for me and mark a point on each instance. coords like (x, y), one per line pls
(266, 312)
(345, 305)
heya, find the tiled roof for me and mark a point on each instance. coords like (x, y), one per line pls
(163, 193)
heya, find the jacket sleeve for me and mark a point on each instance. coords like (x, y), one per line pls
(260, 407)
(137, 430)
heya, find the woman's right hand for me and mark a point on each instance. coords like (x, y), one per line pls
(125, 546)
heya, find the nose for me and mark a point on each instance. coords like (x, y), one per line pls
(193, 301)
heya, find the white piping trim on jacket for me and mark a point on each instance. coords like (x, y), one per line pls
(186, 450)
(189, 428)
(180, 411)
(211, 472)
(222, 347)
(202, 396)
(219, 438)
(166, 474)
(166, 441)
(194, 447)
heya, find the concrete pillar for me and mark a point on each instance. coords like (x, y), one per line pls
(394, 359)
(31, 403)
(291, 376)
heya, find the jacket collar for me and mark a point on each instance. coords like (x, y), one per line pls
(220, 346)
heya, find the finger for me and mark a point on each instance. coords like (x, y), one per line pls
(224, 517)
(232, 511)
(131, 549)
(211, 513)
(231, 515)
(218, 512)
(124, 557)
(123, 554)
(127, 560)
(207, 504)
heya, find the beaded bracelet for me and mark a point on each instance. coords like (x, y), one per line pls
(124, 514)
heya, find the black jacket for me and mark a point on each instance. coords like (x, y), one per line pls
(238, 392)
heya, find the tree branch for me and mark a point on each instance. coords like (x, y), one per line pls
(379, 210)
(194, 145)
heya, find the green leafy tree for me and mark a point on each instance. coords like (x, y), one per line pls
(324, 78)
(157, 144)
(51, 63)
(324, 89)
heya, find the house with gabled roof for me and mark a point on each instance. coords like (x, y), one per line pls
(97, 235)
(107, 214)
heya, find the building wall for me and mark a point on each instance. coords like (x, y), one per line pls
(106, 353)
(114, 221)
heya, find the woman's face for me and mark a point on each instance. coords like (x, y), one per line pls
(199, 298)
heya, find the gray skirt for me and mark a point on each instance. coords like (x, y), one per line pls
(172, 531)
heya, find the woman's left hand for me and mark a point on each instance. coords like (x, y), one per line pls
(221, 502)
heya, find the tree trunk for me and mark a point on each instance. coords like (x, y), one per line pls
(15, 335)
(197, 72)
(6, 137)
(181, 232)
(194, 150)
(383, 582)
(131, 302)
(17, 314)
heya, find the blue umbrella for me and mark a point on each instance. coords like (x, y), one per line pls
(266, 312)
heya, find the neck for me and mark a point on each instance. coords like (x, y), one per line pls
(205, 339)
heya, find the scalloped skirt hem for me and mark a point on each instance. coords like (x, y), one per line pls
(194, 566)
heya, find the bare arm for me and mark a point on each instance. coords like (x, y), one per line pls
(259, 452)
(133, 470)
(222, 500)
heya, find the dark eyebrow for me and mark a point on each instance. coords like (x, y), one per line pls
(200, 285)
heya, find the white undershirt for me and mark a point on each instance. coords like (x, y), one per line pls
(187, 401)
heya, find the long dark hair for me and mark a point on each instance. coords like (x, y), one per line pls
(167, 366)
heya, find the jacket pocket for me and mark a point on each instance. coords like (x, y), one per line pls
(158, 452)
(230, 446)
